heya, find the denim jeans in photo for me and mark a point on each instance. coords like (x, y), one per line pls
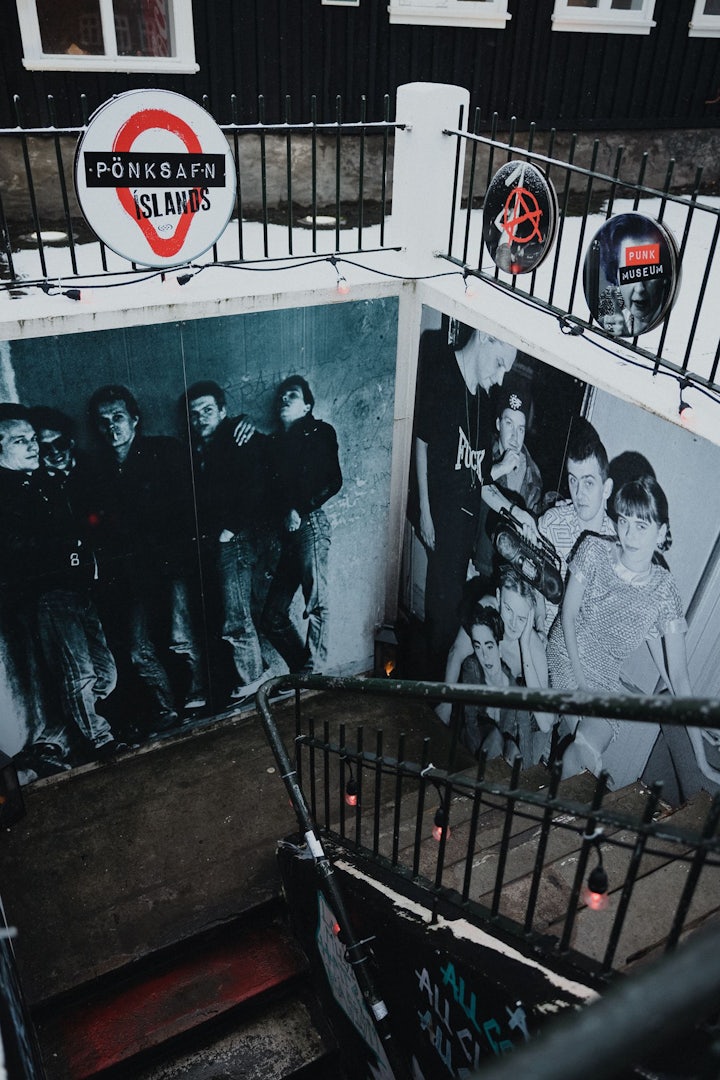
(303, 565)
(73, 645)
(236, 570)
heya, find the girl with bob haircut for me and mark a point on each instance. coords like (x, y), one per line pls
(619, 594)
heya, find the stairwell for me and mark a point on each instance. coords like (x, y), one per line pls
(234, 1003)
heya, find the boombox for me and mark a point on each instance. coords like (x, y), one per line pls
(538, 563)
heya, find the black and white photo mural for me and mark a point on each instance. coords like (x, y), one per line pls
(187, 511)
(555, 539)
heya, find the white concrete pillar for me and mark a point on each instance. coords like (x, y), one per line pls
(424, 171)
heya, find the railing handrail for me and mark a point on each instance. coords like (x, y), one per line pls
(661, 708)
(582, 170)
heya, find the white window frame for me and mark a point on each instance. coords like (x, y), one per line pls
(602, 19)
(182, 35)
(702, 25)
(492, 14)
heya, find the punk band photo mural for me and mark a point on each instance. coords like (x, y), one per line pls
(182, 506)
(555, 542)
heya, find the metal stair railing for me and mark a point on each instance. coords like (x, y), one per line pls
(328, 761)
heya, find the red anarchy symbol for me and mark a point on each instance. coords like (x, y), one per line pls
(521, 208)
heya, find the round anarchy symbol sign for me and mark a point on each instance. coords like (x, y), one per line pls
(520, 216)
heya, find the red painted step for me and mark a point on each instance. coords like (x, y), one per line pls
(143, 1013)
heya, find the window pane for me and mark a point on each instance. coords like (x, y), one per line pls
(142, 27)
(712, 7)
(627, 5)
(582, 3)
(67, 26)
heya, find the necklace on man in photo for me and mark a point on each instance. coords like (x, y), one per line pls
(475, 445)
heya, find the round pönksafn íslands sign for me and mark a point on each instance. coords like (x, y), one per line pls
(155, 177)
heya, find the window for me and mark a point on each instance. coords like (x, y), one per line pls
(488, 13)
(107, 35)
(604, 16)
(705, 20)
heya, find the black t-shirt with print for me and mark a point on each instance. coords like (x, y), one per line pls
(457, 427)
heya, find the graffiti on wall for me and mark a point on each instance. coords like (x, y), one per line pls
(463, 1030)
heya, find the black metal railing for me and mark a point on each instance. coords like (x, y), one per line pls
(302, 188)
(687, 344)
(398, 793)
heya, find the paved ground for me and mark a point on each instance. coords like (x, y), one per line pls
(114, 861)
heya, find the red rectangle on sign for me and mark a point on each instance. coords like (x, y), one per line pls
(642, 255)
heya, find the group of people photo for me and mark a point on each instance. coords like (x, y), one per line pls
(149, 580)
(601, 530)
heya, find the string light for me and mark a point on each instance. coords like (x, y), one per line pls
(595, 894)
(685, 408)
(351, 790)
(440, 821)
(568, 325)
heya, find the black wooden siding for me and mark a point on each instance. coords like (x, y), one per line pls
(299, 48)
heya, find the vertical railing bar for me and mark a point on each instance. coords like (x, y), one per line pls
(716, 361)
(542, 847)
(511, 137)
(630, 876)
(311, 766)
(471, 188)
(709, 829)
(238, 175)
(85, 111)
(531, 143)
(420, 808)
(640, 180)
(444, 833)
(458, 153)
(511, 141)
(488, 177)
(263, 171)
(313, 118)
(681, 253)
(341, 778)
(206, 107)
(701, 298)
(288, 166)
(383, 179)
(63, 185)
(505, 841)
(474, 818)
(359, 743)
(361, 187)
(378, 790)
(30, 185)
(398, 797)
(666, 188)
(6, 241)
(338, 160)
(326, 772)
(583, 226)
(590, 827)
(563, 215)
(614, 184)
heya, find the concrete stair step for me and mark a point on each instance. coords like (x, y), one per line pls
(238, 985)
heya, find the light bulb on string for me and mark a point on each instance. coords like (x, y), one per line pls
(595, 894)
(685, 408)
(440, 824)
(469, 281)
